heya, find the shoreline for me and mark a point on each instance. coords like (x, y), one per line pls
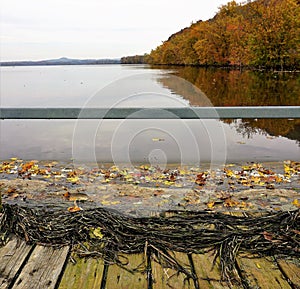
(144, 190)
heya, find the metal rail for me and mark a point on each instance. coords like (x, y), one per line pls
(152, 113)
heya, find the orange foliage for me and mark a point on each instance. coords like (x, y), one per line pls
(260, 33)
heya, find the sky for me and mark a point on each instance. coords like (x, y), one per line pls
(49, 29)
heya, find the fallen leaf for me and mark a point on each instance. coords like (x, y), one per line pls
(73, 180)
(268, 236)
(296, 203)
(74, 209)
(67, 195)
(11, 191)
(230, 203)
(96, 233)
(210, 205)
(27, 166)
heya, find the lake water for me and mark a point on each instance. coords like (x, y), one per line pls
(151, 141)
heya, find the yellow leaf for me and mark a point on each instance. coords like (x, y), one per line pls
(230, 173)
(211, 204)
(168, 183)
(247, 168)
(144, 167)
(255, 180)
(230, 165)
(296, 203)
(258, 266)
(73, 179)
(96, 233)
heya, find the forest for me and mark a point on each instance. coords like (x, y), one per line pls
(261, 34)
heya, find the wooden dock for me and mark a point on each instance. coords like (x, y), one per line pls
(24, 266)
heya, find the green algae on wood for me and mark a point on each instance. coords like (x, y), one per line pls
(132, 275)
(85, 273)
(262, 273)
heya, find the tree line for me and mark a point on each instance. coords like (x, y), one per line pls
(261, 34)
(136, 59)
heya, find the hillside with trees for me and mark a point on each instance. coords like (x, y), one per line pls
(261, 34)
(136, 59)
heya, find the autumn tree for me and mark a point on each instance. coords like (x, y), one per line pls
(262, 33)
(275, 39)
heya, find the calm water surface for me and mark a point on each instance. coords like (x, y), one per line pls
(154, 141)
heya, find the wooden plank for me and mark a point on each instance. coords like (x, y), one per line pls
(209, 276)
(261, 273)
(85, 273)
(12, 257)
(168, 278)
(291, 269)
(120, 278)
(42, 269)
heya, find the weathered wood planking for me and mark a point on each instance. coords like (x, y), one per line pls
(168, 278)
(42, 269)
(291, 271)
(262, 273)
(12, 257)
(119, 278)
(85, 273)
(209, 276)
(23, 266)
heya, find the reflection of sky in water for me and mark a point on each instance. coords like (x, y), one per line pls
(75, 86)
(154, 141)
(136, 141)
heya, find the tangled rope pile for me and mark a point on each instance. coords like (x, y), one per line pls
(107, 233)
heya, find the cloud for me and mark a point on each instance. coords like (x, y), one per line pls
(139, 24)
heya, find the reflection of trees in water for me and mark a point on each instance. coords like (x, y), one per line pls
(223, 87)
(226, 87)
(295, 134)
(273, 127)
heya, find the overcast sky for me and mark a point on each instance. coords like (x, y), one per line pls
(43, 29)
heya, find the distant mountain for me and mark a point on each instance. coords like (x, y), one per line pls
(61, 61)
